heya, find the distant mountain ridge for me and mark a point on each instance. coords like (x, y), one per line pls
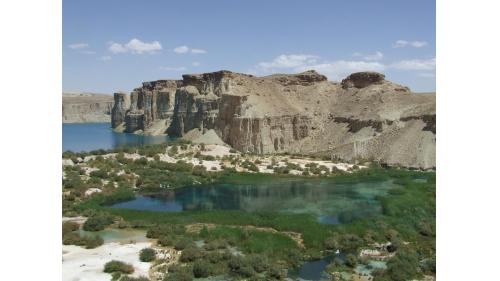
(86, 107)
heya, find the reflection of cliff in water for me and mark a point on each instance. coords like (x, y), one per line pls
(121, 139)
(335, 202)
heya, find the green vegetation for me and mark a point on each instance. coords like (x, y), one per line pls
(97, 222)
(70, 237)
(407, 220)
(118, 266)
(147, 255)
(84, 241)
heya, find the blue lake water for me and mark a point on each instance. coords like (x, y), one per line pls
(93, 136)
(312, 270)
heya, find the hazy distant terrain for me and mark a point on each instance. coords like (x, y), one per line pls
(86, 108)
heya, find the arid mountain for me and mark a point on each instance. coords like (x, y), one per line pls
(363, 117)
(86, 108)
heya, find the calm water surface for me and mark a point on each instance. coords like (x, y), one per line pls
(330, 202)
(93, 136)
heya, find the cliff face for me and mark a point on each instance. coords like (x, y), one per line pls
(150, 109)
(365, 116)
(86, 108)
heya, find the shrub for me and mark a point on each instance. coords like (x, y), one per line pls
(183, 244)
(235, 263)
(165, 241)
(349, 242)
(331, 243)
(276, 273)
(69, 226)
(147, 255)
(99, 174)
(181, 275)
(93, 242)
(259, 263)
(165, 229)
(141, 161)
(87, 242)
(216, 244)
(201, 269)
(190, 254)
(200, 171)
(173, 151)
(97, 223)
(351, 260)
(118, 266)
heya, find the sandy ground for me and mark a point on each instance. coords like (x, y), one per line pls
(80, 264)
(79, 220)
(217, 150)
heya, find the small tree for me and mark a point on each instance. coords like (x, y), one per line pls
(147, 255)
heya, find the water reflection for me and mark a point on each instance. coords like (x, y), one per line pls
(332, 203)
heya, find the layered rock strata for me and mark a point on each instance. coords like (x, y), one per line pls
(363, 117)
(86, 108)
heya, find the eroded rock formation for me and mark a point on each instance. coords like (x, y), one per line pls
(364, 116)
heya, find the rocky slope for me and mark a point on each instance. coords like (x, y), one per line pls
(86, 108)
(363, 117)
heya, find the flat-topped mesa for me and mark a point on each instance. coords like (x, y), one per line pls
(120, 107)
(215, 83)
(362, 79)
(292, 113)
(305, 78)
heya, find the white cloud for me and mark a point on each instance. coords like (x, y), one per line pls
(105, 58)
(198, 51)
(195, 63)
(415, 64)
(88, 52)
(288, 61)
(404, 43)
(169, 68)
(371, 57)
(135, 46)
(117, 48)
(77, 46)
(334, 70)
(339, 69)
(181, 49)
(185, 49)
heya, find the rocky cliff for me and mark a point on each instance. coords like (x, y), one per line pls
(86, 108)
(363, 117)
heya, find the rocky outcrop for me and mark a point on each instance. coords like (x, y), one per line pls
(363, 117)
(120, 107)
(150, 110)
(362, 79)
(86, 108)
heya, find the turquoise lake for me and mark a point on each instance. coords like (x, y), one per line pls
(329, 202)
(93, 136)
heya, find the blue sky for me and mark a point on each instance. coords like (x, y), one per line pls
(111, 45)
